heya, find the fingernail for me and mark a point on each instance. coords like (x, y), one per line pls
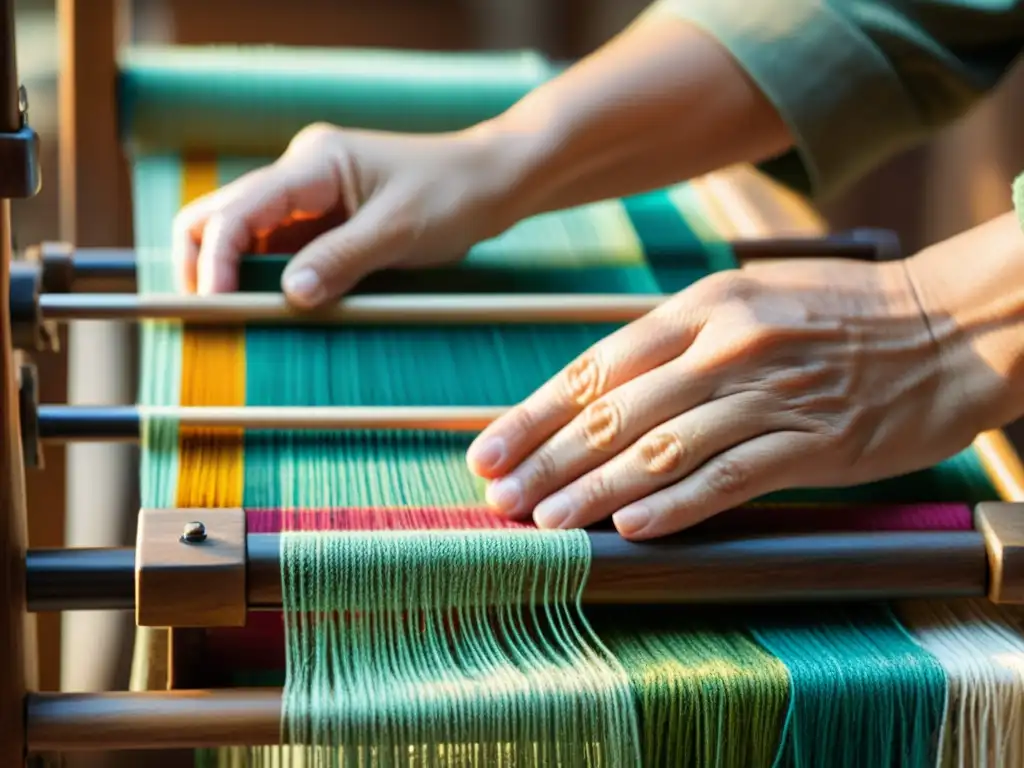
(506, 494)
(304, 285)
(553, 511)
(631, 520)
(488, 454)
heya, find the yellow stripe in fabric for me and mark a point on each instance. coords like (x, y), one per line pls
(210, 470)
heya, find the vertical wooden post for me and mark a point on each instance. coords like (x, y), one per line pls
(95, 211)
(15, 655)
(17, 667)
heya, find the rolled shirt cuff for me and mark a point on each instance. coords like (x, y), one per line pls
(842, 100)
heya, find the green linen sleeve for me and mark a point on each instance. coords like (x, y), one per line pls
(858, 81)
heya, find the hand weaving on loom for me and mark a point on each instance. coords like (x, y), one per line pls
(343, 595)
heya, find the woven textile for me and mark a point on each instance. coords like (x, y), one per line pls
(404, 637)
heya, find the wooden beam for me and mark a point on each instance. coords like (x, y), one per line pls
(94, 209)
(17, 662)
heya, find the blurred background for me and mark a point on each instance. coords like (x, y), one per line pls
(960, 178)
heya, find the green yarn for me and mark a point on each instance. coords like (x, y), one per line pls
(460, 647)
(863, 693)
(707, 695)
(223, 99)
(415, 648)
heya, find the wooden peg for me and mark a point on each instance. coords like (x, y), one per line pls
(1002, 525)
(190, 568)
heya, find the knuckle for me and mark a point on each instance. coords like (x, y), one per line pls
(519, 421)
(312, 137)
(728, 478)
(544, 467)
(662, 453)
(730, 286)
(596, 489)
(602, 424)
(583, 380)
(762, 338)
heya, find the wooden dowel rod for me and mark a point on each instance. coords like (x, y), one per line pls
(398, 309)
(59, 423)
(1001, 463)
(680, 569)
(153, 719)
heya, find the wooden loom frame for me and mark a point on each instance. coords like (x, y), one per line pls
(742, 204)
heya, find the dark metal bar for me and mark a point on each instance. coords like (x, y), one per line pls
(104, 264)
(62, 423)
(681, 569)
(80, 579)
(866, 244)
(863, 244)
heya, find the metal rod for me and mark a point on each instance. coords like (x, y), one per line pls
(435, 309)
(64, 423)
(681, 569)
(103, 264)
(153, 719)
(865, 244)
(87, 579)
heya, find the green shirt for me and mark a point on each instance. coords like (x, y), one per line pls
(859, 80)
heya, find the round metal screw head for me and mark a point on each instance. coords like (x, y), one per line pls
(194, 533)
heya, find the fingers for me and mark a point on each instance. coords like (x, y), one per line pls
(760, 466)
(629, 352)
(211, 234)
(334, 262)
(602, 430)
(664, 455)
(186, 236)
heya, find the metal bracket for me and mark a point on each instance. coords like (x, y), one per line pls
(29, 330)
(185, 577)
(28, 408)
(20, 176)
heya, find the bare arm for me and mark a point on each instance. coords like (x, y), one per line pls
(660, 103)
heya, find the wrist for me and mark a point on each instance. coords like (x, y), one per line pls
(971, 290)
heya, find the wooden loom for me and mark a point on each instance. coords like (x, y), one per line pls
(167, 577)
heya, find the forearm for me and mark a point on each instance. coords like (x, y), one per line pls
(661, 103)
(971, 288)
(822, 90)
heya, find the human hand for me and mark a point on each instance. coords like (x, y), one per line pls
(352, 202)
(808, 373)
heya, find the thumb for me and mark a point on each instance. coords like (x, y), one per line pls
(334, 262)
